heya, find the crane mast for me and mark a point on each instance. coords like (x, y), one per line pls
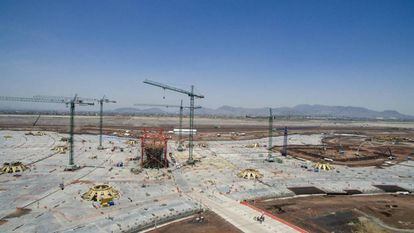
(101, 102)
(270, 144)
(180, 134)
(181, 107)
(192, 96)
(285, 142)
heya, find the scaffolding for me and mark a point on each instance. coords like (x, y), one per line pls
(154, 149)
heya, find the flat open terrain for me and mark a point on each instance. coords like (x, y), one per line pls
(341, 213)
(358, 150)
(33, 201)
(212, 223)
(207, 127)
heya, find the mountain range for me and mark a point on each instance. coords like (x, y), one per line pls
(303, 110)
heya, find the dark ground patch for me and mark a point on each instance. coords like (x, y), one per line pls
(18, 212)
(306, 190)
(352, 191)
(212, 224)
(335, 222)
(391, 188)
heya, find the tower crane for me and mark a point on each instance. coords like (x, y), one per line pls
(192, 96)
(269, 155)
(101, 102)
(69, 101)
(181, 107)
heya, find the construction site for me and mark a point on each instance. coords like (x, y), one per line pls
(152, 174)
(218, 116)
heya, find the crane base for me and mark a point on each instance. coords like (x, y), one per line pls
(100, 148)
(72, 167)
(191, 162)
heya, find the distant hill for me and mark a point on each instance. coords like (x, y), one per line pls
(155, 111)
(303, 110)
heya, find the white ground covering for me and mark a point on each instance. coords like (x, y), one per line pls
(215, 178)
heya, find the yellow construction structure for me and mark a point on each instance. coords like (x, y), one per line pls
(131, 142)
(13, 167)
(102, 193)
(60, 149)
(323, 166)
(250, 174)
(254, 145)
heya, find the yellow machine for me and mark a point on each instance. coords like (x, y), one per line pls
(105, 202)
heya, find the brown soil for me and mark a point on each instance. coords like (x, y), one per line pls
(17, 213)
(340, 213)
(357, 151)
(212, 224)
(206, 131)
(81, 182)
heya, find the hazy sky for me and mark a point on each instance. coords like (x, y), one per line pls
(239, 53)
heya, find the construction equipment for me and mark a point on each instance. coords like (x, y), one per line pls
(102, 193)
(101, 102)
(323, 166)
(259, 218)
(362, 144)
(13, 167)
(285, 142)
(60, 149)
(254, 145)
(192, 95)
(38, 132)
(181, 107)
(270, 144)
(250, 173)
(69, 101)
(154, 149)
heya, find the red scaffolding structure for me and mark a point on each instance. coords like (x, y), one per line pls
(154, 149)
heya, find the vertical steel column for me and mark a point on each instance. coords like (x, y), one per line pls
(72, 125)
(100, 147)
(270, 144)
(180, 133)
(285, 142)
(190, 138)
